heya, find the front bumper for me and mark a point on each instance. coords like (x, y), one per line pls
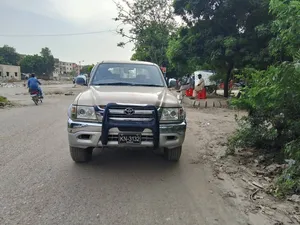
(85, 134)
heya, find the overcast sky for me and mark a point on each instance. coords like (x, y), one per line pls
(63, 16)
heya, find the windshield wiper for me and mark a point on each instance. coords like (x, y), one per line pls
(149, 85)
(126, 84)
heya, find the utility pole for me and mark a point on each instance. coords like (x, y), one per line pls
(79, 66)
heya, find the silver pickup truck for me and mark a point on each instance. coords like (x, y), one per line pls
(126, 105)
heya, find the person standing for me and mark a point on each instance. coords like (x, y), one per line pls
(199, 87)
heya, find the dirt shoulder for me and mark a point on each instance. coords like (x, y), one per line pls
(244, 184)
(18, 95)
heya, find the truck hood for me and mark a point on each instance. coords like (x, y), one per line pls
(102, 95)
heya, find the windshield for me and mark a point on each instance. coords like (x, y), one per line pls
(128, 74)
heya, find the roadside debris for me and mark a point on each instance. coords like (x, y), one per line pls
(294, 198)
(53, 93)
(258, 185)
(231, 170)
(11, 85)
(220, 176)
(69, 93)
(252, 195)
(229, 194)
(273, 169)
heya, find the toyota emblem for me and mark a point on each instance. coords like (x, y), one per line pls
(129, 111)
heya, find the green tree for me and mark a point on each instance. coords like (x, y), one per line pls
(32, 64)
(90, 68)
(9, 56)
(48, 61)
(152, 43)
(223, 34)
(84, 69)
(87, 69)
(273, 99)
(151, 22)
(287, 27)
(181, 54)
(42, 64)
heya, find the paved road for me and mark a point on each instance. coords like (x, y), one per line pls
(40, 184)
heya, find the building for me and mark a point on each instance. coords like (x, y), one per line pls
(63, 68)
(66, 67)
(9, 72)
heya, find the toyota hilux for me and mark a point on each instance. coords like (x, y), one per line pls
(126, 105)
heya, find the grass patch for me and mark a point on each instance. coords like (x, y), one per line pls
(4, 102)
(3, 99)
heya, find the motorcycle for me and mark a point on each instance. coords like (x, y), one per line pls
(36, 97)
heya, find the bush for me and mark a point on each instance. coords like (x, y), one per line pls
(273, 102)
(3, 99)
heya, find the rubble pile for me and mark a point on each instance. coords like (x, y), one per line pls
(11, 85)
(49, 82)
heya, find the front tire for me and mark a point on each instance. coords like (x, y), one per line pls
(173, 154)
(80, 155)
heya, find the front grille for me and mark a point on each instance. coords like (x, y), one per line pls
(133, 118)
(134, 114)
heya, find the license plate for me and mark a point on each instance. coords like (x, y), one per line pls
(130, 138)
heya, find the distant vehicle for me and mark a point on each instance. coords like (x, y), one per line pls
(234, 89)
(81, 80)
(172, 82)
(127, 105)
(206, 75)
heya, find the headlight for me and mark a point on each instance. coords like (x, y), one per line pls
(83, 112)
(172, 114)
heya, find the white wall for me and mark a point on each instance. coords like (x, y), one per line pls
(8, 72)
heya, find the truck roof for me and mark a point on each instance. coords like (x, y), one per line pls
(128, 62)
(205, 71)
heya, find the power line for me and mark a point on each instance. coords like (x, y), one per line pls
(55, 35)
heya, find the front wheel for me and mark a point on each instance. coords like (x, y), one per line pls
(80, 155)
(173, 154)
